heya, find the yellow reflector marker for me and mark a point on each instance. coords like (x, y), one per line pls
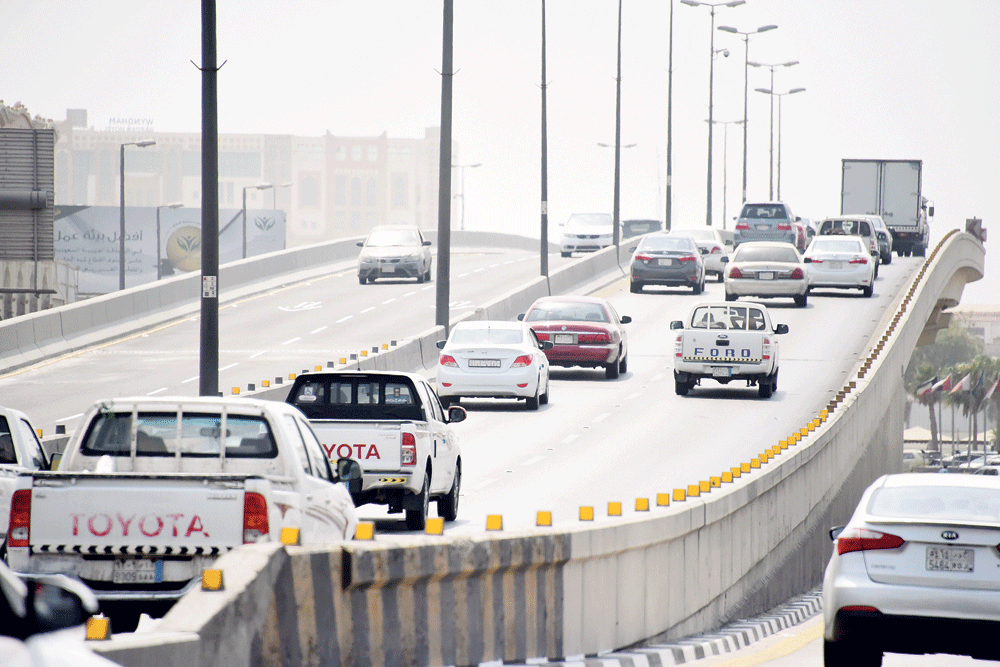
(823, 414)
(211, 580)
(290, 536)
(291, 376)
(737, 471)
(614, 508)
(98, 628)
(586, 513)
(494, 522)
(754, 463)
(763, 457)
(704, 486)
(265, 383)
(385, 346)
(663, 499)
(694, 490)
(319, 368)
(803, 431)
(365, 530)
(434, 526)
(810, 427)
(544, 518)
(679, 494)
(642, 504)
(783, 444)
(236, 391)
(343, 360)
(715, 482)
(727, 477)
(39, 433)
(745, 467)
(364, 353)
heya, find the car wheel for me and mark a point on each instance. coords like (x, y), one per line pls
(531, 403)
(774, 382)
(730, 297)
(765, 388)
(611, 370)
(362, 279)
(681, 388)
(800, 300)
(417, 519)
(566, 254)
(427, 275)
(844, 653)
(719, 277)
(867, 291)
(887, 258)
(544, 398)
(420, 278)
(697, 288)
(623, 364)
(635, 287)
(448, 506)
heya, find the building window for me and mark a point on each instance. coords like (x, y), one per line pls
(309, 191)
(341, 153)
(356, 191)
(356, 221)
(340, 190)
(372, 191)
(400, 188)
(372, 153)
(356, 153)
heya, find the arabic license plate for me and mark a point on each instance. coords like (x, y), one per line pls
(722, 371)
(484, 363)
(950, 559)
(564, 339)
(665, 262)
(765, 275)
(388, 268)
(137, 571)
(763, 228)
(835, 265)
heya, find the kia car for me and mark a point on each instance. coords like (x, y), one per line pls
(841, 262)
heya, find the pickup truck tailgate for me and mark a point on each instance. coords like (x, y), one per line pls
(126, 513)
(374, 445)
(728, 347)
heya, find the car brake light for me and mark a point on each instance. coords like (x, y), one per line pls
(20, 519)
(643, 258)
(448, 360)
(716, 250)
(796, 274)
(766, 350)
(743, 226)
(859, 260)
(863, 539)
(408, 450)
(860, 607)
(522, 361)
(679, 345)
(255, 523)
(542, 335)
(784, 228)
(602, 337)
(735, 273)
(687, 258)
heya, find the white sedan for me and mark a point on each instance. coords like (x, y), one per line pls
(716, 247)
(767, 269)
(493, 359)
(916, 570)
(840, 262)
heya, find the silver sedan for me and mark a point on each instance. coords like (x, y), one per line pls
(767, 269)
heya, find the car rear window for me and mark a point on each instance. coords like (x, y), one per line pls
(764, 212)
(936, 503)
(765, 254)
(837, 245)
(356, 397)
(194, 435)
(568, 311)
(731, 318)
(474, 335)
(667, 243)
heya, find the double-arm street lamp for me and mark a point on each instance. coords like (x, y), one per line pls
(121, 184)
(461, 168)
(725, 132)
(746, 60)
(159, 257)
(772, 67)
(779, 96)
(711, 73)
(262, 186)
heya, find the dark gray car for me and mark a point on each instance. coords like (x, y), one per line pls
(394, 251)
(668, 259)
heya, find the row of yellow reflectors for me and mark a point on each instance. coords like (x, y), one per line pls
(291, 376)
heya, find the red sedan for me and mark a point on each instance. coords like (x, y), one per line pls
(584, 331)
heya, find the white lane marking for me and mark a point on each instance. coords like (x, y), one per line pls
(657, 377)
(462, 275)
(226, 368)
(601, 417)
(424, 289)
(388, 301)
(344, 319)
(316, 331)
(152, 393)
(479, 269)
(368, 310)
(190, 379)
(483, 484)
(409, 294)
(288, 342)
(254, 356)
(533, 461)
(569, 438)
(66, 419)
(632, 397)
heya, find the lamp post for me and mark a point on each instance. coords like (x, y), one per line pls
(159, 260)
(667, 221)
(770, 185)
(274, 192)
(262, 186)
(725, 143)
(746, 60)
(461, 167)
(121, 185)
(779, 96)
(711, 74)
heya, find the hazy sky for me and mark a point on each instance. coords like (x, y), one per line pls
(891, 79)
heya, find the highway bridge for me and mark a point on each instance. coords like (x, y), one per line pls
(704, 508)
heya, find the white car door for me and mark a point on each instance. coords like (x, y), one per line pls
(445, 443)
(326, 510)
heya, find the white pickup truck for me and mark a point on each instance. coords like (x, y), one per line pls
(393, 425)
(150, 491)
(20, 451)
(726, 342)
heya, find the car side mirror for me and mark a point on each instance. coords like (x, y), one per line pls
(625, 319)
(807, 260)
(348, 470)
(440, 344)
(724, 259)
(930, 211)
(780, 328)
(836, 531)
(520, 317)
(456, 413)
(545, 345)
(52, 602)
(427, 242)
(361, 244)
(798, 218)
(676, 324)
(704, 251)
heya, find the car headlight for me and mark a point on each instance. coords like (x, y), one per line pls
(366, 259)
(413, 258)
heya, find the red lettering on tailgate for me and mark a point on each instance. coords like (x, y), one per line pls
(175, 517)
(90, 524)
(346, 451)
(159, 526)
(195, 526)
(76, 522)
(125, 524)
(373, 453)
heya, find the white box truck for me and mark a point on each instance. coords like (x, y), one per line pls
(891, 189)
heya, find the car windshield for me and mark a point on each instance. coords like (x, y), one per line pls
(568, 311)
(766, 254)
(667, 243)
(392, 237)
(837, 245)
(936, 503)
(474, 335)
(590, 219)
(764, 211)
(858, 227)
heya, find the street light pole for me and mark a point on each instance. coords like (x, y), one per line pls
(159, 259)
(667, 223)
(618, 138)
(711, 74)
(461, 167)
(725, 143)
(262, 186)
(746, 60)
(121, 207)
(770, 185)
(779, 96)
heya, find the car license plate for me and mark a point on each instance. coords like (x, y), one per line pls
(765, 275)
(388, 268)
(763, 228)
(137, 571)
(950, 559)
(565, 339)
(665, 262)
(484, 363)
(721, 371)
(835, 265)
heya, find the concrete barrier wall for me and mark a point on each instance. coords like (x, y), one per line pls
(735, 549)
